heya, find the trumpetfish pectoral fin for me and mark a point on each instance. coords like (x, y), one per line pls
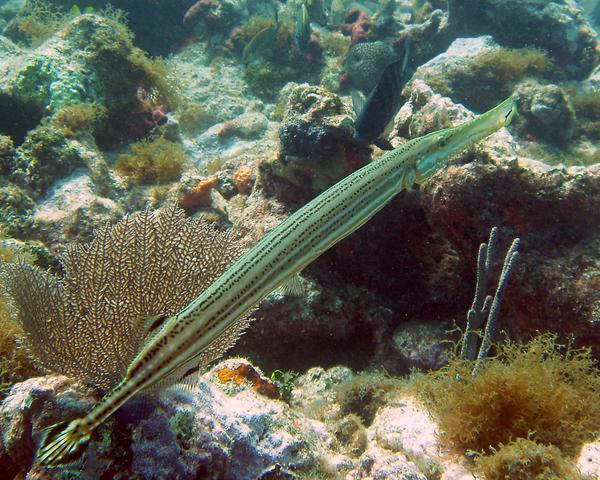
(62, 443)
(293, 286)
(187, 372)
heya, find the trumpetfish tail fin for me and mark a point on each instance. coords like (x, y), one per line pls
(62, 443)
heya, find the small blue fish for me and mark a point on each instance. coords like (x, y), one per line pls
(375, 114)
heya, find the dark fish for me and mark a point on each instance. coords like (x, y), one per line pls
(302, 32)
(374, 114)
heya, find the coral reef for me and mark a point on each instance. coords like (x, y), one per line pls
(272, 59)
(317, 148)
(546, 112)
(152, 161)
(479, 73)
(535, 391)
(559, 27)
(44, 157)
(91, 59)
(211, 430)
(94, 127)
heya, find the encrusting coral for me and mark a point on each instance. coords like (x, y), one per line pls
(89, 323)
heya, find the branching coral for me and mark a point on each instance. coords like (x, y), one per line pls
(89, 324)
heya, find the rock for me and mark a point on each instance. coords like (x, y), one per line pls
(315, 387)
(589, 461)
(403, 443)
(414, 345)
(592, 83)
(545, 111)
(223, 427)
(44, 157)
(226, 140)
(217, 85)
(559, 27)
(479, 73)
(8, 10)
(403, 440)
(15, 211)
(554, 212)
(73, 210)
(452, 74)
(90, 59)
(317, 148)
(426, 111)
(215, 16)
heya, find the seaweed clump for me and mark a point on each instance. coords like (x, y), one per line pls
(271, 56)
(35, 23)
(538, 391)
(15, 363)
(510, 65)
(79, 118)
(152, 161)
(363, 394)
(587, 110)
(526, 460)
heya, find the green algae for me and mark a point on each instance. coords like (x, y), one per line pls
(152, 161)
(44, 156)
(16, 208)
(194, 118)
(539, 391)
(183, 424)
(525, 459)
(364, 393)
(37, 21)
(79, 118)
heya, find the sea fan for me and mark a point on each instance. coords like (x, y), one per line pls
(89, 323)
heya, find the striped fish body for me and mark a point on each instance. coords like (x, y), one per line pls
(214, 320)
(302, 31)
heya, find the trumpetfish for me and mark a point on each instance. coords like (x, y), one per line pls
(213, 321)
